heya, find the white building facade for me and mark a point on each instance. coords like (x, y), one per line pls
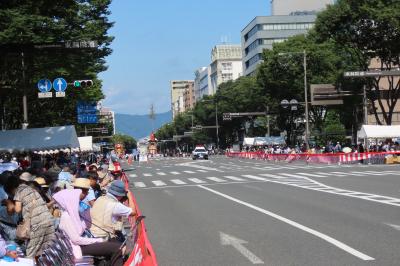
(201, 83)
(287, 7)
(226, 65)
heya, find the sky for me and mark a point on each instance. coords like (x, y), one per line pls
(161, 40)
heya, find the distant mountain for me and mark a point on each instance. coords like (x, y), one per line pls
(139, 126)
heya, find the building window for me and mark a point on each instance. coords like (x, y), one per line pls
(226, 65)
(287, 26)
(226, 77)
(251, 32)
(255, 59)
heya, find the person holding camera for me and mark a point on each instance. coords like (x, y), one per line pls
(108, 210)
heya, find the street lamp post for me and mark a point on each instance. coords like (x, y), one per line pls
(216, 119)
(307, 133)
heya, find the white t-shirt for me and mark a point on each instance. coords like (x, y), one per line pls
(120, 210)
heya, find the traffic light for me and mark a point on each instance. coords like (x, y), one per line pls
(83, 83)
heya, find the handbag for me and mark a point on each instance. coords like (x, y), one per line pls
(24, 229)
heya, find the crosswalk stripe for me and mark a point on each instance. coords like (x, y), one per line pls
(189, 172)
(330, 174)
(139, 184)
(158, 183)
(147, 174)
(290, 175)
(197, 181)
(255, 177)
(374, 173)
(202, 171)
(160, 173)
(178, 181)
(132, 175)
(215, 179)
(273, 176)
(312, 175)
(234, 178)
(175, 173)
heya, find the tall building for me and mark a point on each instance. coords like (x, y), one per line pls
(262, 32)
(226, 65)
(287, 7)
(201, 82)
(189, 96)
(178, 88)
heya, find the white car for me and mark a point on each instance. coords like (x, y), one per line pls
(200, 153)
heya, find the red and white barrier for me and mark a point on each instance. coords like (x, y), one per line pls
(143, 253)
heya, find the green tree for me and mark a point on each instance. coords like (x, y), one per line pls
(128, 141)
(367, 29)
(26, 24)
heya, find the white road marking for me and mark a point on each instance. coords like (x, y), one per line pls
(132, 175)
(202, 171)
(158, 183)
(139, 184)
(175, 173)
(234, 178)
(197, 181)
(330, 174)
(395, 226)
(273, 176)
(255, 177)
(318, 234)
(238, 244)
(215, 179)
(291, 175)
(147, 174)
(189, 172)
(312, 175)
(160, 173)
(178, 182)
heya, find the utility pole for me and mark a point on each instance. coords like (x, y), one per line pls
(268, 126)
(24, 98)
(306, 101)
(216, 123)
(365, 105)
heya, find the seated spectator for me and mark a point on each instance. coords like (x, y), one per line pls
(34, 209)
(84, 184)
(64, 178)
(9, 219)
(108, 210)
(94, 185)
(3, 181)
(73, 226)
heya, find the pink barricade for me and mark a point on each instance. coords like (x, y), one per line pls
(324, 158)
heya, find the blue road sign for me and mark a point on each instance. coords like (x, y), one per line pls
(86, 108)
(60, 85)
(87, 119)
(44, 85)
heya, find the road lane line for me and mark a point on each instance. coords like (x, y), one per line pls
(160, 173)
(132, 175)
(178, 182)
(312, 175)
(215, 179)
(189, 172)
(202, 171)
(255, 177)
(304, 228)
(139, 184)
(274, 176)
(175, 173)
(158, 183)
(234, 178)
(147, 174)
(197, 181)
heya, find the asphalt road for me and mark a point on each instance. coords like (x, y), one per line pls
(244, 212)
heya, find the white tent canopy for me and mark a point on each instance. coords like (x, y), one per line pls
(378, 132)
(39, 139)
(248, 141)
(86, 143)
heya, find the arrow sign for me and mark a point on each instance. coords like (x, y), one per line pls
(60, 85)
(228, 240)
(44, 85)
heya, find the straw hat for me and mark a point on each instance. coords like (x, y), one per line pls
(81, 183)
(41, 181)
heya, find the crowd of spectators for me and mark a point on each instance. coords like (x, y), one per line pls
(85, 200)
